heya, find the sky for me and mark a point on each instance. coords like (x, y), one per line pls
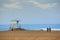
(30, 11)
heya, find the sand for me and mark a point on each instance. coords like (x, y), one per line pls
(29, 35)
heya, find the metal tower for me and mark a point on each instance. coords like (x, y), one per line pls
(14, 24)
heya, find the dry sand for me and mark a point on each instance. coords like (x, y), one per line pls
(29, 35)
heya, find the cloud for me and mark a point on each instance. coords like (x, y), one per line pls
(43, 6)
(13, 0)
(13, 5)
(10, 4)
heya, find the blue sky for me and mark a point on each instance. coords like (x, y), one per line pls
(30, 11)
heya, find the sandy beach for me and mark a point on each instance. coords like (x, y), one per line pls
(29, 35)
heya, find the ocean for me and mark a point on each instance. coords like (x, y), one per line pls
(32, 26)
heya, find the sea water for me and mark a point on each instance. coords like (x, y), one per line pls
(33, 26)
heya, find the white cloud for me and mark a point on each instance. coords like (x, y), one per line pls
(14, 0)
(17, 4)
(13, 5)
(43, 6)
